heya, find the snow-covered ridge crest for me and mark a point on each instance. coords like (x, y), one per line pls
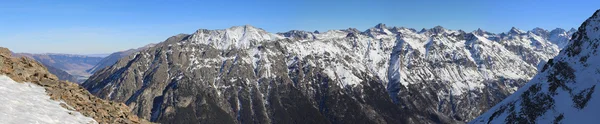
(375, 44)
(247, 35)
(236, 36)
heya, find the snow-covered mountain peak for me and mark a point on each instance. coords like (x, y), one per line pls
(351, 30)
(236, 36)
(438, 29)
(557, 30)
(560, 37)
(482, 32)
(539, 31)
(380, 26)
(401, 29)
(247, 26)
(248, 31)
(379, 29)
(423, 30)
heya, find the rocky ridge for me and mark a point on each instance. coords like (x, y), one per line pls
(114, 57)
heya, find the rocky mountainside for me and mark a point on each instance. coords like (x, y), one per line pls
(75, 65)
(71, 96)
(563, 90)
(62, 75)
(114, 57)
(244, 74)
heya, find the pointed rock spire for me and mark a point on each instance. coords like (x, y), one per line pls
(479, 31)
(437, 29)
(573, 30)
(380, 26)
(514, 30)
(423, 30)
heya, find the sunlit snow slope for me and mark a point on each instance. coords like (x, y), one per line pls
(563, 90)
(26, 103)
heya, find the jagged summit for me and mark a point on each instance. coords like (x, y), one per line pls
(540, 31)
(352, 30)
(558, 30)
(236, 36)
(560, 37)
(437, 29)
(423, 30)
(572, 30)
(380, 26)
(298, 34)
(479, 30)
(379, 29)
(482, 32)
(515, 31)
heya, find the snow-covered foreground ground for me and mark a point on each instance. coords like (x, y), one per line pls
(26, 103)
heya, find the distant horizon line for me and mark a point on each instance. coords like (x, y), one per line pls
(388, 27)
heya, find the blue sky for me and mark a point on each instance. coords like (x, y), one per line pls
(106, 26)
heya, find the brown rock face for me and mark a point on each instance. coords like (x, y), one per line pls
(28, 70)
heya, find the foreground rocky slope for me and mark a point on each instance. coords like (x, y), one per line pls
(77, 98)
(381, 75)
(564, 89)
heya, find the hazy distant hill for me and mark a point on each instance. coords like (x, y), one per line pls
(72, 64)
(114, 57)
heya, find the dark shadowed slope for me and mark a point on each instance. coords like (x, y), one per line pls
(114, 57)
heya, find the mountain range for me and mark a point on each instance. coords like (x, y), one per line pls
(245, 74)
